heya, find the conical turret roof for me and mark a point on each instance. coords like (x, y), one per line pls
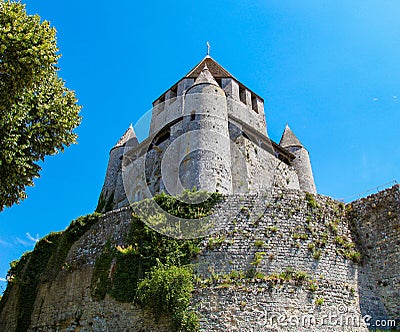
(128, 135)
(205, 76)
(289, 139)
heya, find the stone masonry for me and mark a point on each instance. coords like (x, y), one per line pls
(207, 131)
(249, 302)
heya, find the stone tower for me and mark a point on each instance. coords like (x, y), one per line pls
(208, 131)
(203, 163)
(112, 193)
(301, 162)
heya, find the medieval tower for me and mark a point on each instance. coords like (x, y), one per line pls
(208, 131)
(280, 256)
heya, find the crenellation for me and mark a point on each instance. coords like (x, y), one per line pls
(278, 252)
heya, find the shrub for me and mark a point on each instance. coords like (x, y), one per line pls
(166, 289)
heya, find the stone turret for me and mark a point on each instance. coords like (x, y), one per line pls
(207, 131)
(205, 161)
(301, 163)
(112, 192)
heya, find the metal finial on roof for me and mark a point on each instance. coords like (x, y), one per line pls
(208, 48)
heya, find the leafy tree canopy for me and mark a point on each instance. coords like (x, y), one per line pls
(37, 112)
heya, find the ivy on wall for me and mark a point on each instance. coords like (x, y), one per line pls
(152, 269)
(41, 265)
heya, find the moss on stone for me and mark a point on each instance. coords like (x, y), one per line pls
(41, 265)
(148, 254)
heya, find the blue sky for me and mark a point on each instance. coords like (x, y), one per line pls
(330, 69)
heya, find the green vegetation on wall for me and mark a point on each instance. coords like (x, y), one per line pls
(105, 202)
(320, 231)
(153, 269)
(167, 289)
(42, 265)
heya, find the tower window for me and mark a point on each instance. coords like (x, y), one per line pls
(242, 94)
(254, 105)
(192, 116)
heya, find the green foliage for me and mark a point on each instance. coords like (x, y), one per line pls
(41, 265)
(316, 253)
(100, 282)
(272, 228)
(311, 202)
(14, 276)
(166, 290)
(37, 112)
(152, 268)
(30, 277)
(258, 257)
(347, 249)
(250, 273)
(313, 286)
(301, 236)
(189, 207)
(215, 242)
(186, 207)
(319, 301)
(344, 242)
(148, 247)
(333, 227)
(236, 274)
(105, 202)
(73, 232)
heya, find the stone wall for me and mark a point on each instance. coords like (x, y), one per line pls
(259, 237)
(376, 221)
(255, 168)
(284, 234)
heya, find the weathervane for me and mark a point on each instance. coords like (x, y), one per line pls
(208, 48)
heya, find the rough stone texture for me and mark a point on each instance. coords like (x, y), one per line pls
(202, 162)
(66, 305)
(377, 224)
(113, 189)
(196, 117)
(258, 222)
(302, 165)
(264, 226)
(255, 168)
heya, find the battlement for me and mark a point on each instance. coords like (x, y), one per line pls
(242, 103)
(215, 128)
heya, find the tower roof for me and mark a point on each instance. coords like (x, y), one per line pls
(216, 70)
(128, 135)
(205, 76)
(289, 139)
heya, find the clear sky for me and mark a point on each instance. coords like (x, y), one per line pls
(331, 69)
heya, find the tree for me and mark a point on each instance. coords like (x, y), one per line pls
(37, 112)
